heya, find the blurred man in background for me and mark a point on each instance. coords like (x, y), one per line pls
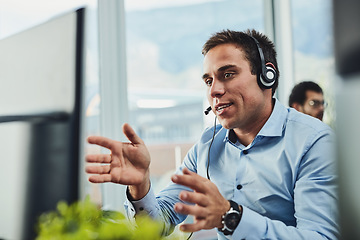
(307, 97)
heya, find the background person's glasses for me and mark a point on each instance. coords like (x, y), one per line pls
(317, 103)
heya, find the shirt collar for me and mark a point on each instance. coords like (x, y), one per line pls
(274, 125)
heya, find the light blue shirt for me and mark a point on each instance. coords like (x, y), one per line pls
(285, 179)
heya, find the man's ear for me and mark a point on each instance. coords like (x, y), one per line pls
(297, 106)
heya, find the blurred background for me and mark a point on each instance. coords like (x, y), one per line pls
(143, 65)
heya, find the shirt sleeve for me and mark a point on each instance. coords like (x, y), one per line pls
(315, 201)
(147, 204)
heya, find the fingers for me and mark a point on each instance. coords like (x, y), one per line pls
(208, 205)
(131, 135)
(103, 169)
(194, 197)
(109, 143)
(98, 158)
(101, 141)
(193, 227)
(102, 173)
(194, 210)
(100, 178)
(191, 180)
(200, 217)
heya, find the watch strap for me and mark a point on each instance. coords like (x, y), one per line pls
(234, 205)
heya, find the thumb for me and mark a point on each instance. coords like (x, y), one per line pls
(131, 135)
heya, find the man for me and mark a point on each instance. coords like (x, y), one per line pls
(265, 172)
(307, 97)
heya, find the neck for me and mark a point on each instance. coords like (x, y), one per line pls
(247, 134)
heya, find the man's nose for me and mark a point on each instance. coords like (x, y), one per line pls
(217, 89)
(321, 107)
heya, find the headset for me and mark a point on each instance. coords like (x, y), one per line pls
(267, 78)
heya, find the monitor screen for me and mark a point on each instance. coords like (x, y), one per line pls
(347, 57)
(41, 81)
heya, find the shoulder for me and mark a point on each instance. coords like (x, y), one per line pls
(307, 127)
(211, 132)
(301, 120)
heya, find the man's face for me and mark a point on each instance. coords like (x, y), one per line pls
(233, 92)
(313, 105)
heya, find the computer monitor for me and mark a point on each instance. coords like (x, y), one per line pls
(347, 59)
(41, 79)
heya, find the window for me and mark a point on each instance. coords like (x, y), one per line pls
(313, 48)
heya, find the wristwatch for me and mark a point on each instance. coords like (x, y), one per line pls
(231, 218)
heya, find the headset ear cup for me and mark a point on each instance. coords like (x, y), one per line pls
(267, 78)
(262, 83)
(270, 73)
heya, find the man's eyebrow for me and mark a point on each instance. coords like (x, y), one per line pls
(220, 69)
(205, 76)
(226, 67)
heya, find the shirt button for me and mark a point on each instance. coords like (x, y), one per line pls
(239, 186)
(245, 151)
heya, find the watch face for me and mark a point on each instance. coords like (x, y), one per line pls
(232, 220)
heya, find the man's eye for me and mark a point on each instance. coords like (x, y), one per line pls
(208, 82)
(228, 75)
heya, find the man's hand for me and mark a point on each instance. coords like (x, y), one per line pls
(209, 206)
(128, 163)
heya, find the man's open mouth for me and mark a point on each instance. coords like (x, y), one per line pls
(220, 108)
